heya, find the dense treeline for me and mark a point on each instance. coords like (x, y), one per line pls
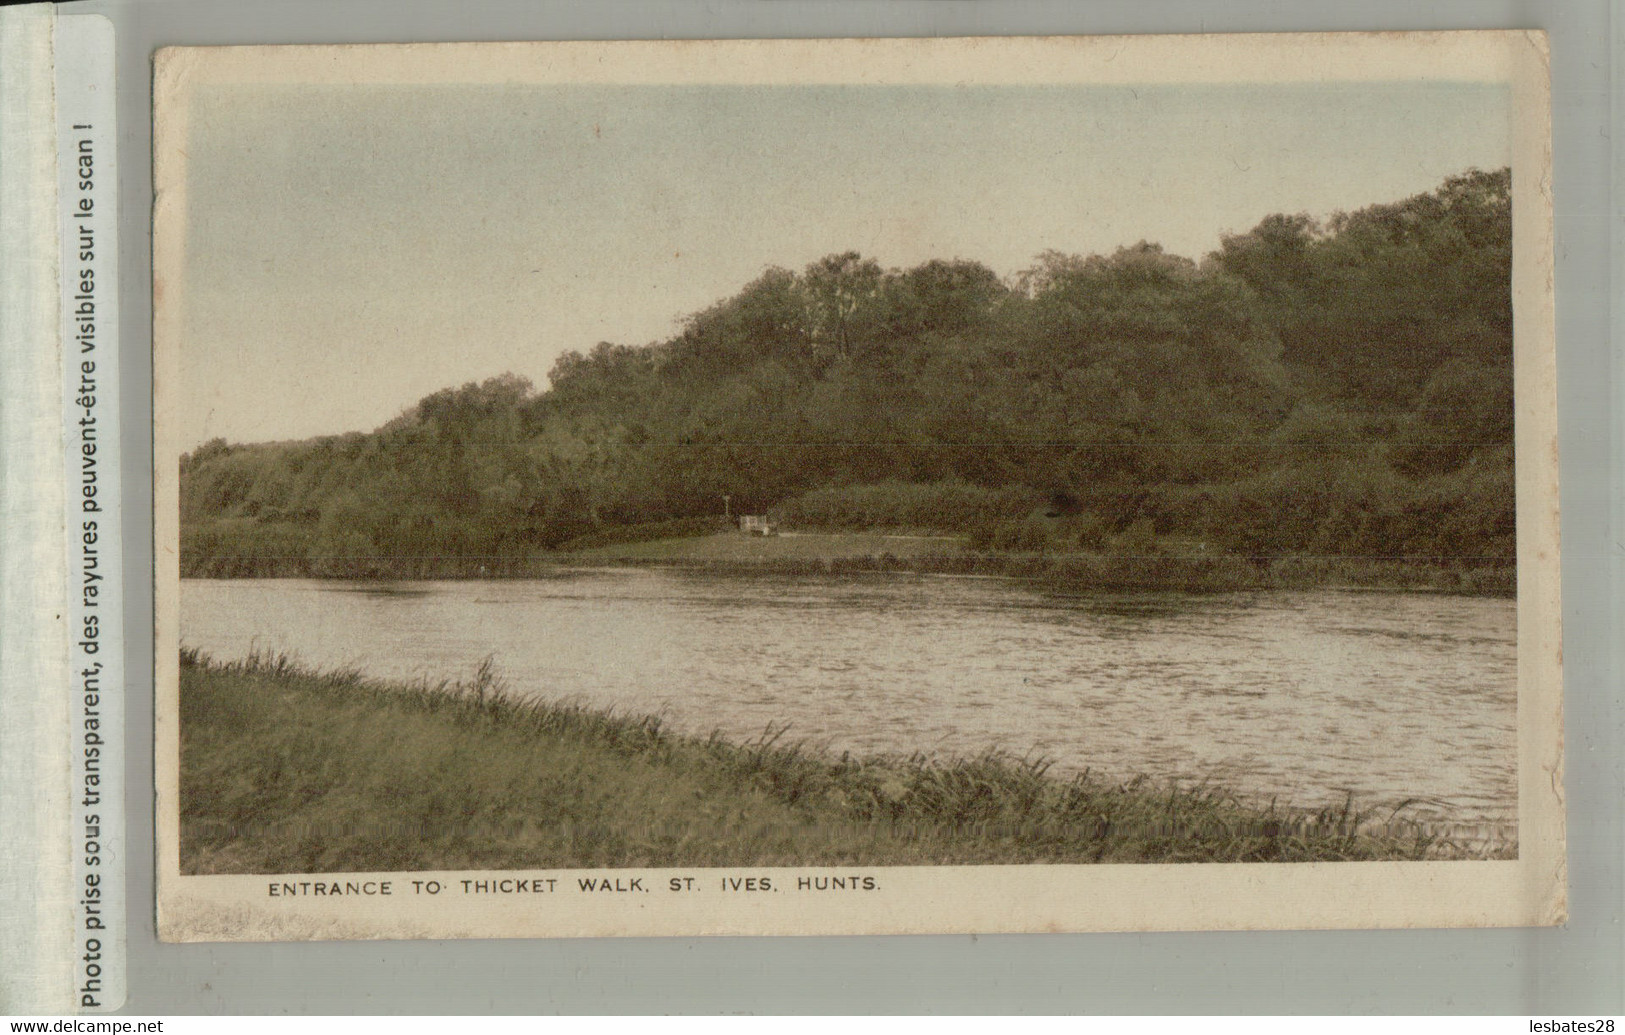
(1340, 389)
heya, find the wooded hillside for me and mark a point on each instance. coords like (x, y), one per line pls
(1337, 389)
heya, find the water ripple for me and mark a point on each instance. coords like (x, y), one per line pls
(1301, 696)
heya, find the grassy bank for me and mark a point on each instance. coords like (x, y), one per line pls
(286, 770)
(825, 547)
(837, 553)
(843, 552)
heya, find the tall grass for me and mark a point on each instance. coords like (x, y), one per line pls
(284, 769)
(694, 544)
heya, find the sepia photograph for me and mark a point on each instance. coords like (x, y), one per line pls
(855, 486)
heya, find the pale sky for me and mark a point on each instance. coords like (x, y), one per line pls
(350, 249)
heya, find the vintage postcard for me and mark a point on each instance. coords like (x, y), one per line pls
(856, 486)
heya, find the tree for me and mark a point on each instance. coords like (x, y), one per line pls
(838, 291)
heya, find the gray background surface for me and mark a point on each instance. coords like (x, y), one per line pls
(1572, 970)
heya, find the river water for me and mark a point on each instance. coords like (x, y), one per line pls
(1302, 697)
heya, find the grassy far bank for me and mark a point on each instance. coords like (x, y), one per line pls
(790, 546)
(808, 553)
(825, 553)
(286, 770)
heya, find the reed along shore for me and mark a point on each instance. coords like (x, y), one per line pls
(289, 770)
(845, 554)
